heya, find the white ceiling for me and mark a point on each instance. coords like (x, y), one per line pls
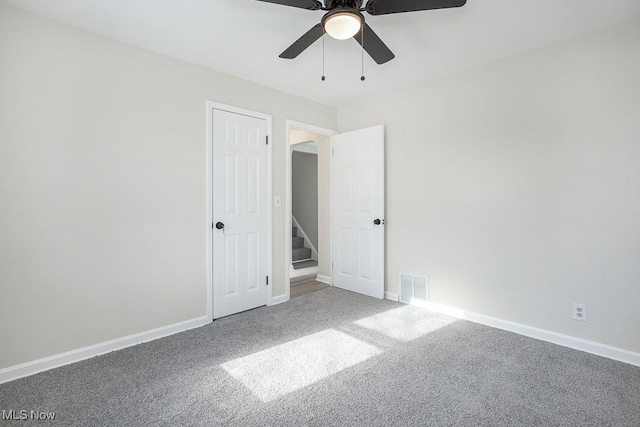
(245, 37)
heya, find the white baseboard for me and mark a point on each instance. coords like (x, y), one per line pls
(323, 279)
(279, 299)
(575, 343)
(25, 369)
(391, 296)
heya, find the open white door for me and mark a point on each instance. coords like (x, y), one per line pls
(239, 213)
(358, 211)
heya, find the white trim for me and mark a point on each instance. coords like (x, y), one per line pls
(592, 347)
(279, 299)
(209, 209)
(25, 369)
(291, 124)
(307, 241)
(391, 296)
(309, 147)
(323, 279)
(211, 105)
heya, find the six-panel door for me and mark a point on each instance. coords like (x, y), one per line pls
(240, 210)
(358, 201)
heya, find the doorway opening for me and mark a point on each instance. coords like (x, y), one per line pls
(309, 208)
(304, 206)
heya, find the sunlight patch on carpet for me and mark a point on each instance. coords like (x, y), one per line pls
(406, 323)
(288, 367)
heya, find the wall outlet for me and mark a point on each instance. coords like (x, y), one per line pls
(580, 312)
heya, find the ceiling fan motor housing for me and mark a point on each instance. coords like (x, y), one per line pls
(350, 4)
(340, 10)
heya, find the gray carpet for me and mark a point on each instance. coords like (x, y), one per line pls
(336, 358)
(305, 264)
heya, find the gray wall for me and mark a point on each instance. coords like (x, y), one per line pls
(102, 185)
(304, 183)
(516, 187)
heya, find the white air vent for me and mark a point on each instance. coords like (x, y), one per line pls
(414, 289)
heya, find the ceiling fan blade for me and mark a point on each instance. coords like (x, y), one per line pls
(374, 46)
(303, 42)
(384, 7)
(303, 4)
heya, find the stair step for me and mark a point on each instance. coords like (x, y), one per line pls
(305, 264)
(294, 231)
(298, 254)
(297, 242)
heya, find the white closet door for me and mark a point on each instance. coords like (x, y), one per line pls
(239, 213)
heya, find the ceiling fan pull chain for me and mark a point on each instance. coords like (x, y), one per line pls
(323, 77)
(362, 52)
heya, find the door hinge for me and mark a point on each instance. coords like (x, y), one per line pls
(267, 280)
(267, 138)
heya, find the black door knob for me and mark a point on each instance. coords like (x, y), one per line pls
(219, 225)
(376, 221)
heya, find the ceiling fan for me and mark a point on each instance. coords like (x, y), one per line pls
(344, 19)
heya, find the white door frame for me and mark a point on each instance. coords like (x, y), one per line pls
(292, 124)
(211, 105)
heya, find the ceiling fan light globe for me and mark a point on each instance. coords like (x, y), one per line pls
(343, 25)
